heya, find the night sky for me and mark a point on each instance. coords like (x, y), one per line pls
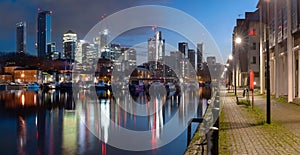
(218, 17)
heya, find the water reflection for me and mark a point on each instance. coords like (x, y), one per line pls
(148, 121)
(37, 122)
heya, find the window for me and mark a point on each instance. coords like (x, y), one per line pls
(254, 60)
(252, 32)
(253, 46)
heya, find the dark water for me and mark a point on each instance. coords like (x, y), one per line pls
(60, 122)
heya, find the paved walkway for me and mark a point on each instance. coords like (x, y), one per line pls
(245, 135)
(286, 114)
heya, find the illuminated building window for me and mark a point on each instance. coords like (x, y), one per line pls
(252, 32)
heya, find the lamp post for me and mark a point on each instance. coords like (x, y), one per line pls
(238, 40)
(230, 59)
(268, 108)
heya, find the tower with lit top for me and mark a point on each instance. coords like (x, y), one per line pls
(69, 45)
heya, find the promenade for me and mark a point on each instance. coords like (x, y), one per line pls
(244, 131)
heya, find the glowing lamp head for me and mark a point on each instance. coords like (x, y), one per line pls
(230, 57)
(238, 40)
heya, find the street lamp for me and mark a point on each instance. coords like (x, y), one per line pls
(230, 59)
(268, 100)
(238, 40)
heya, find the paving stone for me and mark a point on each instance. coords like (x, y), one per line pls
(246, 136)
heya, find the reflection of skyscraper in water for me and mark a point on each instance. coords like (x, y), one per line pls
(21, 38)
(105, 120)
(43, 33)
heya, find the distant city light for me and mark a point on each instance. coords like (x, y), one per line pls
(105, 31)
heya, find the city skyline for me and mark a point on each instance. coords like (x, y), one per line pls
(61, 24)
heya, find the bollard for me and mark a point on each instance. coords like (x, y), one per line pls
(196, 120)
(189, 133)
(212, 141)
(213, 135)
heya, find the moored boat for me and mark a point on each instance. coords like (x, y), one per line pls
(33, 86)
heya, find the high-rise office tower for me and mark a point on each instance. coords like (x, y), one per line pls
(89, 54)
(151, 50)
(191, 57)
(102, 40)
(43, 33)
(160, 46)
(156, 47)
(51, 47)
(21, 38)
(78, 53)
(69, 45)
(199, 56)
(130, 56)
(211, 60)
(183, 48)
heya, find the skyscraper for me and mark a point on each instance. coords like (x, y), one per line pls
(102, 40)
(51, 47)
(21, 38)
(211, 60)
(156, 47)
(43, 33)
(199, 56)
(191, 57)
(183, 48)
(69, 45)
(79, 50)
(130, 56)
(88, 55)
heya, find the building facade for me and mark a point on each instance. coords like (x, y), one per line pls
(89, 53)
(191, 57)
(199, 56)
(69, 45)
(183, 48)
(281, 19)
(102, 40)
(21, 38)
(43, 33)
(156, 54)
(51, 48)
(245, 50)
(156, 47)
